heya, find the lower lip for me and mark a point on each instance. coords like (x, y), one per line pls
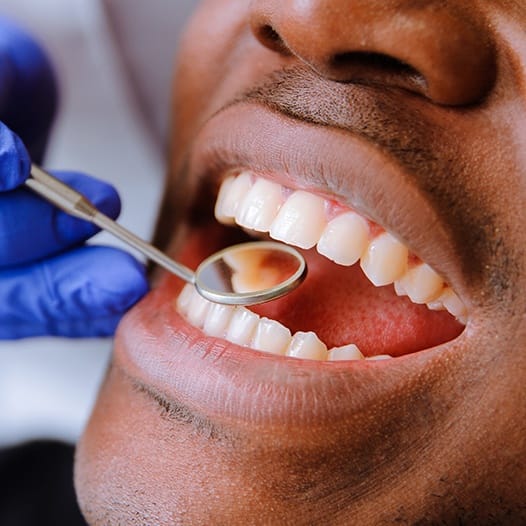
(219, 380)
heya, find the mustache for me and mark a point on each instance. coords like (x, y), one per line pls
(359, 108)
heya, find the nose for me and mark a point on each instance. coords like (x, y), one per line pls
(432, 47)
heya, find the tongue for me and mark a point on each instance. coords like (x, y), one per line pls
(342, 306)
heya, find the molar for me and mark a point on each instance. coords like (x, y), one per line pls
(452, 303)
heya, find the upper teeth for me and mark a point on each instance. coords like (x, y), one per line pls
(340, 234)
(307, 220)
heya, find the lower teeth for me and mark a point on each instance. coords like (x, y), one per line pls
(243, 327)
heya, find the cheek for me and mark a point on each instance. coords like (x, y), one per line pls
(205, 52)
(218, 59)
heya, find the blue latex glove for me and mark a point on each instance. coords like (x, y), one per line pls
(50, 284)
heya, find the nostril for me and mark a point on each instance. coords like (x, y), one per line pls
(270, 38)
(377, 61)
(269, 33)
(362, 66)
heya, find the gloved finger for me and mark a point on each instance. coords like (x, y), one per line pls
(14, 159)
(82, 293)
(31, 228)
(28, 87)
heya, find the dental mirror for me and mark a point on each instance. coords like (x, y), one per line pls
(244, 274)
(250, 273)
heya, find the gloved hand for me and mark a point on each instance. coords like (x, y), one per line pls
(50, 283)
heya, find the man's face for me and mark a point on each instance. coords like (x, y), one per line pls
(390, 137)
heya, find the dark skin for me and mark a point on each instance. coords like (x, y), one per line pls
(426, 102)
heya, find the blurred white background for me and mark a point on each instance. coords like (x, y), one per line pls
(114, 63)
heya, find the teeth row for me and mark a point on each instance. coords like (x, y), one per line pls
(243, 327)
(306, 220)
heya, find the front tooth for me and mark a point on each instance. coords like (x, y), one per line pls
(242, 326)
(231, 193)
(421, 283)
(271, 336)
(385, 260)
(344, 239)
(260, 206)
(307, 345)
(347, 352)
(185, 298)
(197, 310)
(222, 207)
(218, 319)
(300, 220)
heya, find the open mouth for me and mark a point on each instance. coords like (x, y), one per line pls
(366, 296)
(344, 329)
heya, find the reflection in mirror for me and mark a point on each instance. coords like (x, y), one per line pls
(251, 269)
